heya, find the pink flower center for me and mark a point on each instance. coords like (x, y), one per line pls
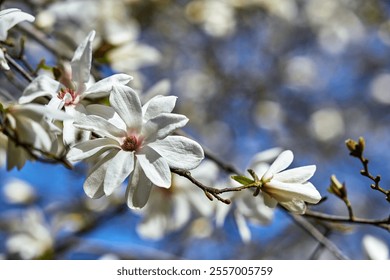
(131, 143)
(69, 96)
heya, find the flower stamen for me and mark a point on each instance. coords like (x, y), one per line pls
(68, 95)
(130, 143)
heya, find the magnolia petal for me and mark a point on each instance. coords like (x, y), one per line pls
(98, 125)
(265, 157)
(118, 170)
(179, 152)
(138, 189)
(282, 162)
(9, 18)
(155, 167)
(81, 61)
(37, 111)
(243, 228)
(295, 206)
(33, 133)
(153, 227)
(162, 125)
(375, 248)
(296, 175)
(41, 86)
(89, 148)
(3, 61)
(93, 185)
(158, 105)
(284, 192)
(103, 87)
(181, 213)
(70, 134)
(269, 201)
(107, 113)
(126, 103)
(18, 158)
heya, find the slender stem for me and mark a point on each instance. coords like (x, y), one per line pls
(382, 223)
(315, 233)
(18, 68)
(209, 191)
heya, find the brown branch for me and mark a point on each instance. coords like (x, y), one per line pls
(316, 234)
(209, 191)
(18, 68)
(382, 223)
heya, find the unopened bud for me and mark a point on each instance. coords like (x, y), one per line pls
(337, 188)
(356, 148)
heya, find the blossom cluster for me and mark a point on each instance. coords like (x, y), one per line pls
(129, 138)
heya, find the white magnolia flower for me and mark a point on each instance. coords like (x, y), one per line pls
(8, 19)
(115, 26)
(136, 141)
(31, 236)
(73, 88)
(181, 202)
(19, 192)
(245, 207)
(375, 248)
(26, 126)
(290, 187)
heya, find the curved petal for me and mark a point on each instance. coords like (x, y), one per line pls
(138, 189)
(155, 167)
(284, 192)
(163, 125)
(103, 87)
(81, 61)
(179, 151)
(243, 228)
(269, 201)
(41, 86)
(118, 170)
(108, 113)
(93, 185)
(89, 148)
(9, 18)
(158, 105)
(282, 162)
(295, 206)
(126, 103)
(98, 125)
(296, 175)
(3, 62)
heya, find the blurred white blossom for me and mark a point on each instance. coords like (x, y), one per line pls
(137, 143)
(215, 16)
(30, 237)
(26, 127)
(8, 19)
(375, 248)
(19, 191)
(171, 209)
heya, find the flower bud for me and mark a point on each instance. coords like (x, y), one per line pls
(356, 148)
(337, 188)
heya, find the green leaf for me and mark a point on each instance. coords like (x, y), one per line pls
(242, 180)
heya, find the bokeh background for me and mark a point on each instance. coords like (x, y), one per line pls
(250, 75)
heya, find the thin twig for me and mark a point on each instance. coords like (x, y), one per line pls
(382, 223)
(315, 233)
(18, 68)
(209, 191)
